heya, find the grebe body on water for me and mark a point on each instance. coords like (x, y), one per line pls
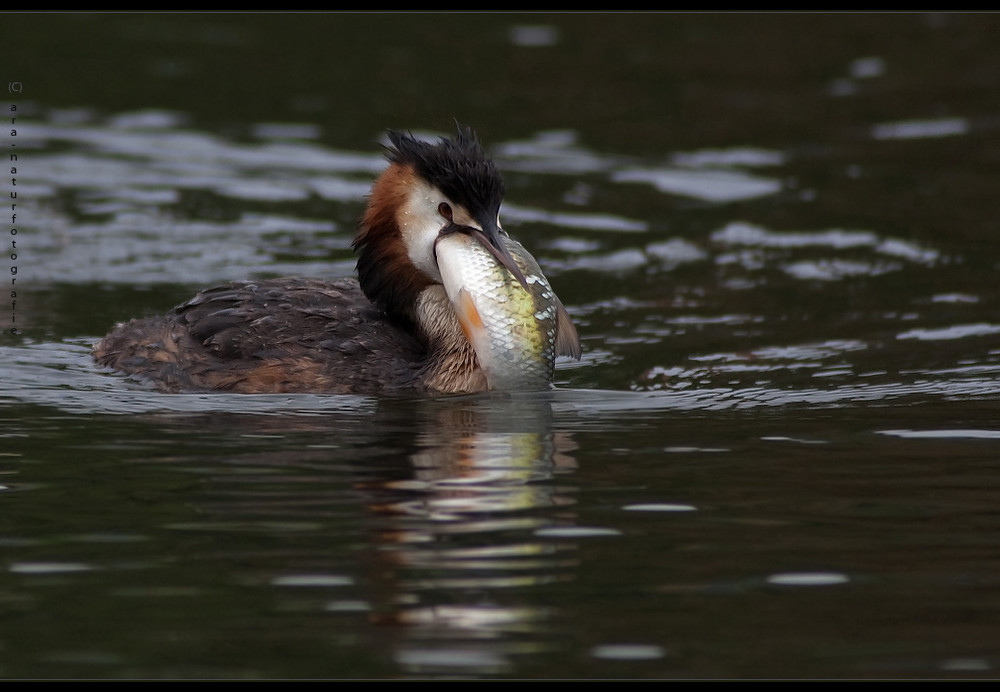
(444, 301)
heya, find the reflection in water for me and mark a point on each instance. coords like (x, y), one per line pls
(435, 515)
(466, 526)
(456, 495)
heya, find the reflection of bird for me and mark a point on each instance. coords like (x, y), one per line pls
(415, 320)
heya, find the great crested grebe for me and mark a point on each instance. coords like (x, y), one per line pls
(444, 302)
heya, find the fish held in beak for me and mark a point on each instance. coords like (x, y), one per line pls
(506, 307)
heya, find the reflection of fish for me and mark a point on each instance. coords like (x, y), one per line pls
(444, 302)
(516, 329)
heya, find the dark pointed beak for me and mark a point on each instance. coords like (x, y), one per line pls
(492, 239)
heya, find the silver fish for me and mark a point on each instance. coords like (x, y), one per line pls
(517, 330)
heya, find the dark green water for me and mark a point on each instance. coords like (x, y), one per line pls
(779, 456)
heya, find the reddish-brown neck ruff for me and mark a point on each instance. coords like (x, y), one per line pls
(385, 271)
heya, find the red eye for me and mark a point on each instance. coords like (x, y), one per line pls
(445, 210)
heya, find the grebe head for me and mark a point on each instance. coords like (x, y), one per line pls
(431, 192)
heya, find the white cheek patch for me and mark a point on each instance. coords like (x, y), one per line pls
(420, 223)
(421, 253)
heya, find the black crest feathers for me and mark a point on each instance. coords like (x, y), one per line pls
(457, 166)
